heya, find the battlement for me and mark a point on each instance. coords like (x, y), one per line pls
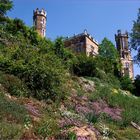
(39, 21)
(119, 33)
(40, 12)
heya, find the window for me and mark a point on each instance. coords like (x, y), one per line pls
(43, 21)
(43, 32)
(92, 47)
(126, 65)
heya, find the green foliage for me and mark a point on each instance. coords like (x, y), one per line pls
(5, 5)
(137, 85)
(42, 72)
(47, 127)
(126, 84)
(13, 84)
(63, 53)
(104, 64)
(107, 50)
(11, 110)
(118, 133)
(72, 136)
(15, 26)
(116, 98)
(92, 117)
(109, 58)
(84, 66)
(26, 35)
(10, 131)
(135, 37)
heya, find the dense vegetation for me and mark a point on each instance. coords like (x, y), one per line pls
(42, 87)
(135, 37)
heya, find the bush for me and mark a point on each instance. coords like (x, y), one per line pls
(137, 85)
(84, 66)
(126, 84)
(92, 117)
(43, 73)
(14, 85)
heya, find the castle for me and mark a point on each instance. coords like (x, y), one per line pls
(82, 43)
(39, 21)
(86, 44)
(125, 54)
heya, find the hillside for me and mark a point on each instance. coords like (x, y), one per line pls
(92, 110)
(49, 92)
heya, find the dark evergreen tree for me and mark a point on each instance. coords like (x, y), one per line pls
(137, 85)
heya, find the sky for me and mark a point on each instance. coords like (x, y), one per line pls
(101, 18)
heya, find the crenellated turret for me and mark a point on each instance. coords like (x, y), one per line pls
(125, 54)
(39, 21)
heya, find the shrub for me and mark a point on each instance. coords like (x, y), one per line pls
(137, 85)
(126, 84)
(43, 73)
(72, 136)
(14, 85)
(84, 66)
(92, 117)
(63, 53)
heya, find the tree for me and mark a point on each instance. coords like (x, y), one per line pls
(63, 53)
(137, 85)
(127, 84)
(84, 66)
(135, 37)
(5, 5)
(107, 50)
(109, 56)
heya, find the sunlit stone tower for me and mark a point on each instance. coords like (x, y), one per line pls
(39, 21)
(125, 54)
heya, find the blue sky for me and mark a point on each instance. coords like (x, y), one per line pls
(101, 18)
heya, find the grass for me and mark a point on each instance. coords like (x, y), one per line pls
(10, 131)
(129, 104)
(112, 131)
(11, 110)
(12, 118)
(47, 127)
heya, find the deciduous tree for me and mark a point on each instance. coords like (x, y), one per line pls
(5, 5)
(135, 37)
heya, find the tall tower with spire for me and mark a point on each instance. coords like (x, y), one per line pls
(39, 21)
(125, 54)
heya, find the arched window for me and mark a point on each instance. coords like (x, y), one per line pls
(126, 65)
(43, 21)
(43, 32)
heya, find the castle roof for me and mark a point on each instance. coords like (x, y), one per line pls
(84, 34)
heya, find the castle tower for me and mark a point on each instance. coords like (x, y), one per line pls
(39, 21)
(125, 54)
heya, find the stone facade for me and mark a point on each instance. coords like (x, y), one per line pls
(39, 21)
(125, 54)
(82, 43)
